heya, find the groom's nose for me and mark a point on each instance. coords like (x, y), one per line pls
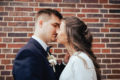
(57, 31)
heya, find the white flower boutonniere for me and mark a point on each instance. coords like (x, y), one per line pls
(52, 61)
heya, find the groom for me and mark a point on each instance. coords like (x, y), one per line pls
(31, 61)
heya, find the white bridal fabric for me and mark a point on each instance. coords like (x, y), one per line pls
(79, 67)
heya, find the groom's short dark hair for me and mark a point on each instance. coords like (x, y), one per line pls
(49, 12)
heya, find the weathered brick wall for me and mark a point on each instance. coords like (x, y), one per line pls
(101, 16)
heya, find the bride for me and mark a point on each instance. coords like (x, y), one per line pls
(75, 36)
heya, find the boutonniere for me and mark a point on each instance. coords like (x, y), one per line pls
(52, 61)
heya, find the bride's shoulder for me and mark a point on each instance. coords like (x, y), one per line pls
(79, 57)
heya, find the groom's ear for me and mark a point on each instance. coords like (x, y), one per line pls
(40, 23)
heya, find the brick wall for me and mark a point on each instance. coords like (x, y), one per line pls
(101, 16)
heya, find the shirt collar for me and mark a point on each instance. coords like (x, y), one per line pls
(43, 44)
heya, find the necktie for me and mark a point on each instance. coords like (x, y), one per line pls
(48, 49)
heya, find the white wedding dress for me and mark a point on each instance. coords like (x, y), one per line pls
(79, 67)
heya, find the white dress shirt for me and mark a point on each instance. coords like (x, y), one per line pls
(41, 42)
(79, 67)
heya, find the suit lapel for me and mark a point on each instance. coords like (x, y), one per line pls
(38, 46)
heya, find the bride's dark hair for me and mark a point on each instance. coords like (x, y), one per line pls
(79, 36)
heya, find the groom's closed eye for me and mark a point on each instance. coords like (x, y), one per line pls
(56, 25)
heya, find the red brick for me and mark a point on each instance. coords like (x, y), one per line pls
(57, 50)
(15, 50)
(114, 20)
(99, 45)
(10, 56)
(18, 13)
(61, 56)
(23, 19)
(116, 71)
(81, 5)
(81, 15)
(48, 5)
(3, 23)
(57, 0)
(104, 30)
(91, 20)
(43, 0)
(113, 66)
(2, 55)
(98, 61)
(106, 71)
(100, 55)
(18, 4)
(37, 9)
(53, 45)
(5, 72)
(96, 40)
(94, 6)
(30, 34)
(58, 9)
(6, 50)
(8, 18)
(115, 50)
(90, 10)
(103, 1)
(68, 14)
(115, 60)
(102, 66)
(113, 77)
(5, 61)
(0, 39)
(17, 34)
(89, 1)
(23, 29)
(106, 61)
(1, 68)
(113, 45)
(15, 45)
(112, 25)
(112, 55)
(9, 67)
(9, 8)
(17, 24)
(8, 29)
(106, 40)
(67, 5)
(23, 9)
(24, 0)
(9, 78)
(1, 8)
(33, 4)
(20, 39)
(3, 13)
(96, 50)
(2, 45)
(111, 6)
(7, 40)
(71, 10)
(112, 16)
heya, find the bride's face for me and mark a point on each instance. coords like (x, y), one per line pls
(62, 36)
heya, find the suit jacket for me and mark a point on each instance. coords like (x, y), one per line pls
(31, 63)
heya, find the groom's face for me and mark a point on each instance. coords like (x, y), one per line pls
(50, 28)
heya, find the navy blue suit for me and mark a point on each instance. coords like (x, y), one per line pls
(31, 63)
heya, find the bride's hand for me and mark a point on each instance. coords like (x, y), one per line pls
(66, 58)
